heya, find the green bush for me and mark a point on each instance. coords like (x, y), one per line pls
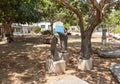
(117, 29)
(46, 32)
(37, 29)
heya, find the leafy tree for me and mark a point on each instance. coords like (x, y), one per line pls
(56, 12)
(112, 19)
(96, 12)
(117, 29)
(115, 17)
(20, 11)
(50, 11)
(69, 18)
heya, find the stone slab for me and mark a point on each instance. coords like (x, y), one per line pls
(84, 64)
(55, 66)
(115, 69)
(109, 53)
(70, 80)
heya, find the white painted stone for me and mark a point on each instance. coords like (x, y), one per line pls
(115, 69)
(64, 56)
(49, 65)
(84, 64)
(70, 80)
(55, 66)
(109, 53)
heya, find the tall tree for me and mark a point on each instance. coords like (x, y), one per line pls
(96, 12)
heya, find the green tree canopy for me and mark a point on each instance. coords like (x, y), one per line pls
(20, 11)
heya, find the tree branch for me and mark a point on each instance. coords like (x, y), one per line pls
(102, 3)
(96, 5)
(108, 5)
(76, 11)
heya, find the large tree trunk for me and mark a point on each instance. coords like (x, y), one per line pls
(51, 24)
(8, 32)
(86, 45)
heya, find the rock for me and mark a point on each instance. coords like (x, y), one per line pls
(115, 69)
(55, 66)
(85, 64)
(109, 53)
(70, 80)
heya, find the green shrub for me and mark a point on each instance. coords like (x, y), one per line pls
(117, 29)
(37, 29)
(46, 32)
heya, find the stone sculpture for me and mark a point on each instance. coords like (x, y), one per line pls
(104, 36)
(63, 41)
(55, 64)
(54, 53)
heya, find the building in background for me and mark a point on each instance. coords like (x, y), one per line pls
(22, 28)
(74, 30)
(28, 28)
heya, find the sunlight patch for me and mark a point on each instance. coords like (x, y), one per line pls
(40, 45)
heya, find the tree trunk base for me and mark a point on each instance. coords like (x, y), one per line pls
(65, 56)
(7, 39)
(85, 64)
(55, 66)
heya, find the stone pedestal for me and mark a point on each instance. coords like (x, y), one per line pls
(85, 64)
(64, 56)
(104, 41)
(109, 53)
(55, 66)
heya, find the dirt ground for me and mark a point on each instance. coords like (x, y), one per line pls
(23, 62)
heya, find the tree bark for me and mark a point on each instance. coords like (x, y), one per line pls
(8, 32)
(86, 45)
(51, 24)
(2, 32)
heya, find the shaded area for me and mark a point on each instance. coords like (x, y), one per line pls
(100, 74)
(23, 62)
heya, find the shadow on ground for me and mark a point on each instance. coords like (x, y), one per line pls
(23, 61)
(100, 73)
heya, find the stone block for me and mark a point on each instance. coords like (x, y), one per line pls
(70, 80)
(115, 69)
(85, 64)
(109, 53)
(49, 64)
(55, 66)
